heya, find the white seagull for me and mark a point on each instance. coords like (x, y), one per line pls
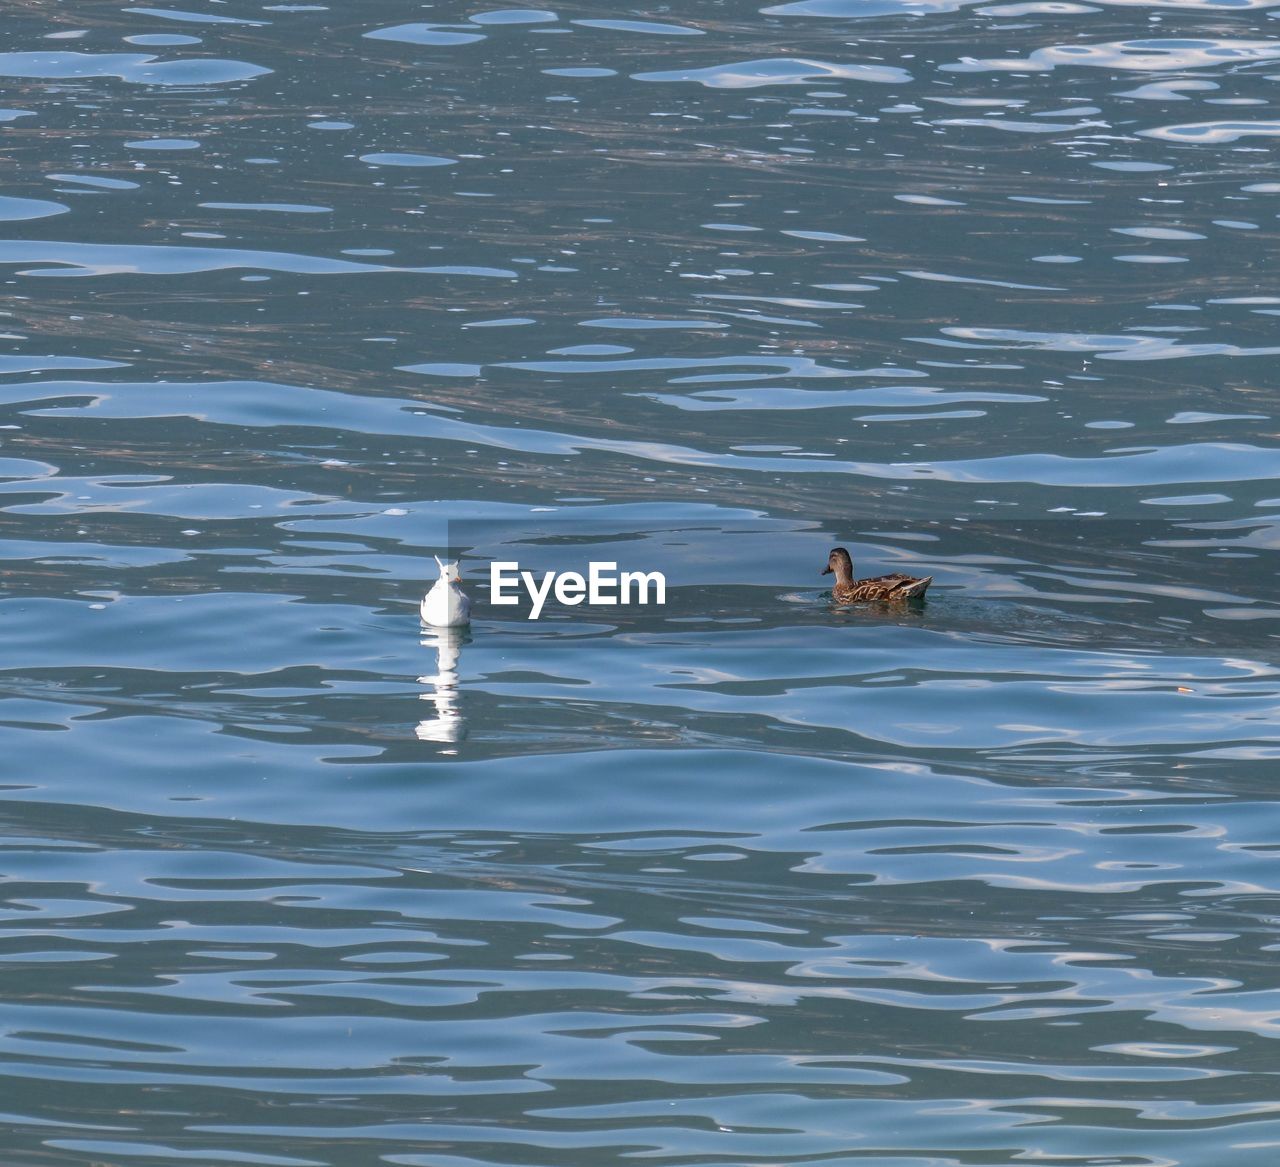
(446, 605)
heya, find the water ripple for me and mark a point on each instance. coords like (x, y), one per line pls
(1214, 133)
(779, 71)
(103, 259)
(138, 68)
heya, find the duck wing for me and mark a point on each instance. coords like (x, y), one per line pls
(886, 587)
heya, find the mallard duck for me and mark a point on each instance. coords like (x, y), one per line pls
(446, 604)
(848, 590)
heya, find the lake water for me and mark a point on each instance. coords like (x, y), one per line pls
(297, 296)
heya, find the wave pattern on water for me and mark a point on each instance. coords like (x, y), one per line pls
(745, 879)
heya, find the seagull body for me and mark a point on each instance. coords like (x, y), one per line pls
(446, 605)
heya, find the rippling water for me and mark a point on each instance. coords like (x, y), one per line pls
(298, 295)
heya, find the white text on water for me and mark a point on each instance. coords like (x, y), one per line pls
(603, 584)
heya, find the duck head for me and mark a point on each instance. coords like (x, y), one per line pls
(448, 571)
(841, 562)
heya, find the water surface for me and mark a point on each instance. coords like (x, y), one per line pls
(301, 294)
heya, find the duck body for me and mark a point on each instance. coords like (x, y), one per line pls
(446, 604)
(848, 590)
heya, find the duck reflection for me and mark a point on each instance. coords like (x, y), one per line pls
(448, 724)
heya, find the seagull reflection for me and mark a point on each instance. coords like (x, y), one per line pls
(442, 688)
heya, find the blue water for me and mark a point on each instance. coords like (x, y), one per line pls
(298, 296)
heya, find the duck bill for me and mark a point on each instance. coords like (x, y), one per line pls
(826, 570)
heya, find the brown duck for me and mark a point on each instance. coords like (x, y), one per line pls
(848, 590)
